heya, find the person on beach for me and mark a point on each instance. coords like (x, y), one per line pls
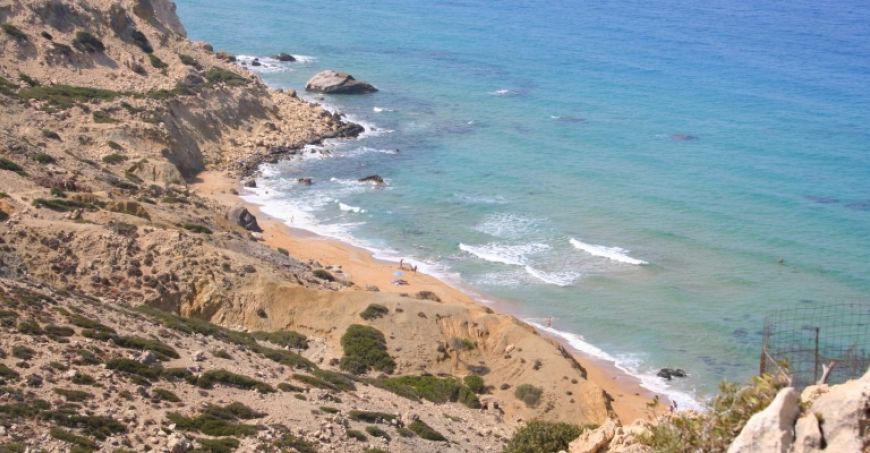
(549, 321)
(402, 263)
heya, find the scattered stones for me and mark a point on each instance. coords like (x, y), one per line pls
(284, 56)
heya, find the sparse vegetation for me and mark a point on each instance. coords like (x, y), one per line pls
(114, 145)
(219, 445)
(714, 429)
(356, 434)
(13, 31)
(103, 117)
(189, 61)
(287, 338)
(133, 367)
(196, 228)
(425, 431)
(222, 354)
(474, 383)
(68, 437)
(50, 134)
(539, 436)
(30, 81)
(371, 416)
(23, 352)
(365, 348)
(65, 96)
(219, 75)
(374, 431)
(61, 204)
(6, 164)
(427, 295)
(165, 395)
(285, 387)
(75, 396)
(156, 62)
(83, 379)
(141, 41)
(224, 377)
(213, 424)
(436, 389)
(529, 394)
(374, 311)
(283, 251)
(7, 374)
(87, 42)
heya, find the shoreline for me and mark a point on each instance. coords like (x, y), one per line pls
(630, 400)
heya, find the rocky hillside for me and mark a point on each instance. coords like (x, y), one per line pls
(108, 113)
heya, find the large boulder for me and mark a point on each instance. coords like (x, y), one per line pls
(333, 82)
(594, 440)
(771, 430)
(243, 218)
(844, 415)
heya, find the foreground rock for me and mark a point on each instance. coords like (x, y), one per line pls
(333, 82)
(771, 430)
(243, 218)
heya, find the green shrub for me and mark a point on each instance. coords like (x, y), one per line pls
(219, 445)
(179, 374)
(86, 323)
(61, 48)
(23, 352)
(103, 117)
(13, 31)
(714, 429)
(196, 228)
(7, 374)
(68, 437)
(433, 388)
(76, 396)
(51, 135)
(371, 416)
(323, 274)
(6, 164)
(462, 344)
(374, 431)
(283, 251)
(165, 395)
(224, 377)
(329, 410)
(314, 381)
(141, 41)
(287, 338)
(189, 61)
(474, 383)
(232, 411)
(60, 204)
(289, 442)
(30, 81)
(87, 358)
(405, 432)
(83, 379)
(220, 75)
(97, 426)
(134, 367)
(529, 394)
(540, 436)
(285, 387)
(426, 432)
(65, 96)
(157, 62)
(162, 350)
(365, 348)
(114, 145)
(86, 42)
(427, 295)
(358, 435)
(374, 311)
(211, 425)
(222, 354)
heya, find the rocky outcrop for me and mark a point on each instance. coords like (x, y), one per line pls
(333, 82)
(595, 440)
(243, 218)
(771, 430)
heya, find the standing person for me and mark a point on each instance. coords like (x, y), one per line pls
(402, 263)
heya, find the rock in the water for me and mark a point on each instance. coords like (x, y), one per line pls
(243, 218)
(252, 183)
(771, 430)
(669, 373)
(305, 181)
(284, 56)
(333, 82)
(373, 179)
(256, 62)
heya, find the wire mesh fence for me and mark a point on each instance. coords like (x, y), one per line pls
(807, 340)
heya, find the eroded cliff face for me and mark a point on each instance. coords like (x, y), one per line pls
(107, 112)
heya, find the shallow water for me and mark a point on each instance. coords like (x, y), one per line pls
(634, 169)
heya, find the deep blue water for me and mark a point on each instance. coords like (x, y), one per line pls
(707, 140)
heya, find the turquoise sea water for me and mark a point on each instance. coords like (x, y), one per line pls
(549, 149)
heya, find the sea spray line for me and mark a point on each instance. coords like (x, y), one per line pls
(505, 254)
(611, 253)
(648, 381)
(349, 208)
(555, 278)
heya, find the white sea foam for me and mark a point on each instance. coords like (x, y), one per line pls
(304, 59)
(349, 208)
(515, 255)
(504, 92)
(611, 253)
(553, 278)
(480, 199)
(629, 366)
(382, 109)
(266, 64)
(506, 225)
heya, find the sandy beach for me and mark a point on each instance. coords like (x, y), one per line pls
(630, 400)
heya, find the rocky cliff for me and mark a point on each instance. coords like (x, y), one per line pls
(108, 113)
